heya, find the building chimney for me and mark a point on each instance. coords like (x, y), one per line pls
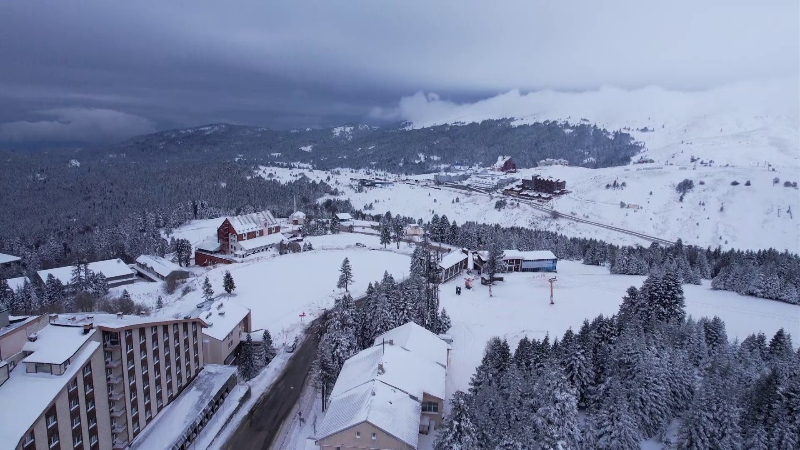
(87, 328)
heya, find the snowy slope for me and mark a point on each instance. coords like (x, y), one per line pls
(739, 124)
(749, 221)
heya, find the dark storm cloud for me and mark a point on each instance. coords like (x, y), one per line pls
(121, 67)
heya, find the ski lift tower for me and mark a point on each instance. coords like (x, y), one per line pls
(552, 280)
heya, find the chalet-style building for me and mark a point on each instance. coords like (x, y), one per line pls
(545, 184)
(413, 229)
(505, 164)
(298, 218)
(388, 394)
(238, 237)
(451, 265)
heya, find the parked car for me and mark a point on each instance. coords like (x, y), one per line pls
(359, 244)
(290, 348)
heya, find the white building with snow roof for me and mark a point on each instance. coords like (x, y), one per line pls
(158, 268)
(452, 264)
(117, 273)
(298, 218)
(388, 394)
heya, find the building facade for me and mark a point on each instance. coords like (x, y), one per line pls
(92, 382)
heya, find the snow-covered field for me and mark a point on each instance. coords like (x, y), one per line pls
(750, 219)
(520, 306)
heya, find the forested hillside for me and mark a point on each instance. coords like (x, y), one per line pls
(394, 149)
(57, 206)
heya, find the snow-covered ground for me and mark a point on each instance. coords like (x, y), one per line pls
(520, 306)
(749, 220)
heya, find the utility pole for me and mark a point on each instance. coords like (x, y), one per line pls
(552, 280)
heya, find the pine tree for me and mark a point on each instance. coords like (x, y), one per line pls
(159, 302)
(614, 426)
(208, 291)
(334, 224)
(556, 419)
(458, 431)
(269, 348)
(398, 230)
(339, 343)
(386, 235)
(345, 275)
(6, 294)
(227, 282)
(444, 322)
(494, 263)
(247, 361)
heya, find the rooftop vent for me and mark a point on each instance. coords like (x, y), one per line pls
(119, 315)
(33, 337)
(381, 370)
(221, 313)
(87, 328)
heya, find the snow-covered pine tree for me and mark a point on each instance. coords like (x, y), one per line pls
(398, 230)
(269, 348)
(345, 275)
(556, 419)
(227, 282)
(385, 234)
(6, 294)
(614, 426)
(247, 360)
(444, 322)
(494, 263)
(334, 224)
(159, 302)
(458, 431)
(337, 344)
(208, 291)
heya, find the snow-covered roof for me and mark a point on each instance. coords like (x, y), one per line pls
(113, 321)
(387, 408)
(252, 222)
(209, 244)
(33, 393)
(262, 241)
(110, 268)
(17, 283)
(170, 425)
(395, 366)
(501, 160)
(344, 216)
(452, 258)
(534, 255)
(159, 265)
(418, 341)
(222, 317)
(55, 344)
(8, 258)
(298, 215)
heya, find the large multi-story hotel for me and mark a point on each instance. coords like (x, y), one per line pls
(91, 381)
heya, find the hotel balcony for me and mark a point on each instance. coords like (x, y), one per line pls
(113, 379)
(119, 444)
(118, 428)
(115, 395)
(113, 362)
(117, 411)
(110, 344)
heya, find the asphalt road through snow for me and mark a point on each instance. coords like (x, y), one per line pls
(263, 423)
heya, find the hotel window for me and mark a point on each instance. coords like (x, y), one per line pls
(374, 436)
(28, 439)
(174, 327)
(147, 398)
(53, 440)
(76, 440)
(128, 333)
(133, 394)
(169, 391)
(134, 410)
(92, 422)
(194, 327)
(73, 404)
(148, 414)
(90, 405)
(51, 420)
(430, 407)
(358, 435)
(144, 354)
(73, 385)
(93, 439)
(136, 426)
(76, 421)
(129, 348)
(141, 336)
(154, 329)
(88, 387)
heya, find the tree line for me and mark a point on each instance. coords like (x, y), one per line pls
(639, 374)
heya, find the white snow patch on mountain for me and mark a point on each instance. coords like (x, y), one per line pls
(306, 148)
(740, 124)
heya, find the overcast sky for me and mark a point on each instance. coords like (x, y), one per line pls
(100, 71)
